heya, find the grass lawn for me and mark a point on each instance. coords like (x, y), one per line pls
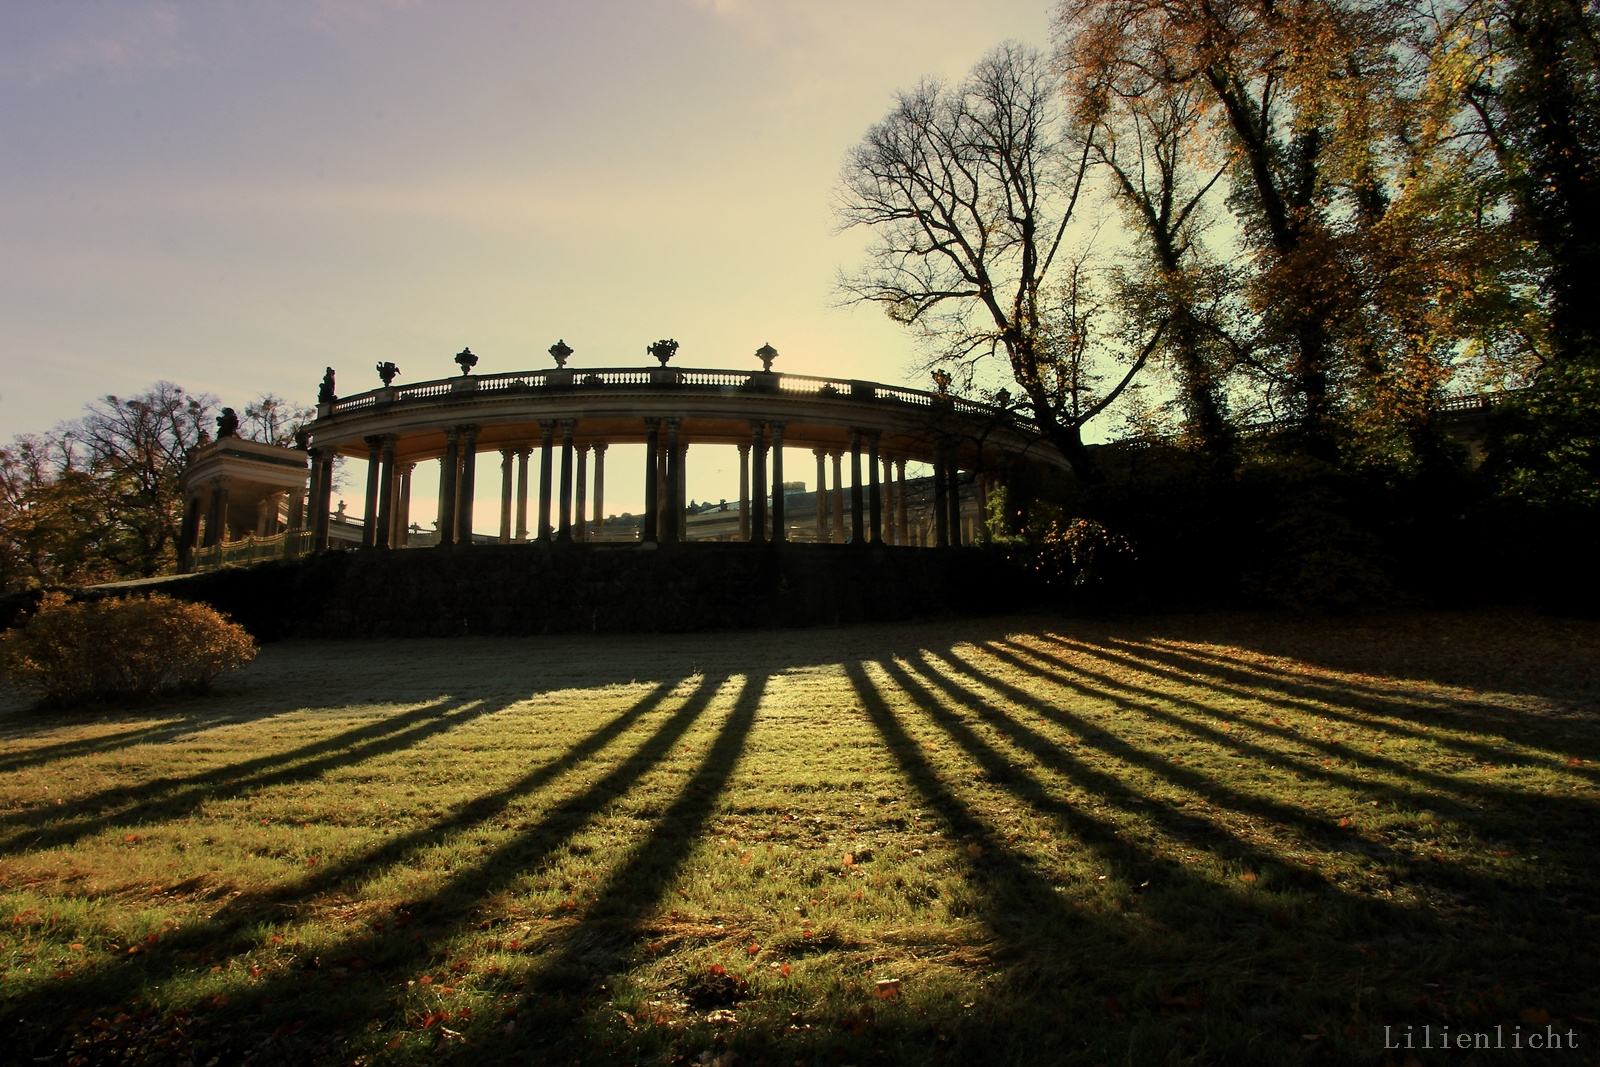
(1226, 839)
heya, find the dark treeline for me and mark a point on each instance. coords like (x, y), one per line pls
(96, 499)
(1260, 243)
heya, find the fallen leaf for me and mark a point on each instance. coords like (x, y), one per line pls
(974, 849)
(1248, 876)
(753, 950)
(785, 970)
(888, 987)
(1344, 822)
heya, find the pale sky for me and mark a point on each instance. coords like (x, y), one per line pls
(233, 195)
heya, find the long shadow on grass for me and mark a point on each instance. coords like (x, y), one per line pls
(154, 733)
(1396, 775)
(167, 798)
(1102, 784)
(573, 966)
(1288, 691)
(317, 995)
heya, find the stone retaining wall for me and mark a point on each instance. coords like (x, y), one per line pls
(531, 589)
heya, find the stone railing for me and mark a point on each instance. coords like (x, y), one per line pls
(725, 382)
(253, 549)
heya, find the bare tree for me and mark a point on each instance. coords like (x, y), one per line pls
(272, 420)
(135, 448)
(969, 192)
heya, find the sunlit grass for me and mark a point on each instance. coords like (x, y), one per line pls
(1221, 840)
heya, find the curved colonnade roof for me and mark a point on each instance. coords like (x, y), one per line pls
(716, 406)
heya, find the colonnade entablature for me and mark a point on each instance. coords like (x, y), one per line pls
(555, 420)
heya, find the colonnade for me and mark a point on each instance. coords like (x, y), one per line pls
(877, 511)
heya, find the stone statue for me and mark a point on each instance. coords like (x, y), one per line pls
(388, 372)
(663, 350)
(466, 360)
(302, 440)
(766, 354)
(227, 424)
(941, 381)
(325, 394)
(559, 352)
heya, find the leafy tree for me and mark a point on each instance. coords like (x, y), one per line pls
(52, 531)
(1144, 125)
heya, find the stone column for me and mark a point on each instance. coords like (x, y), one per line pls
(450, 471)
(469, 475)
(385, 493)
(672, 521)
(652, 474)
(983, 507)
(941, 506)
(890, 534)
(402, 511)
(874, 500)
(580, 522)
(369, 517)
(599, 491)
(822, 493)
(857, 525)
(837, 532)
(189, 538)
(953, 472)
(297, 506)
(902, 519)
(217, 525)
(758, 470)
(547, 430)
(522, 495)
(505, 495)
(261, 516)
(683, 491)
(780, 528)
(321, 496)
(744, 492)
(564, 533)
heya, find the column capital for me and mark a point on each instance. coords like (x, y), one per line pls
(450, 434)
(744, 448)
(507, 453)
(651, 422)
(567, 426)
(599, 447)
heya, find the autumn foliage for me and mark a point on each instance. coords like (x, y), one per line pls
(122, 648)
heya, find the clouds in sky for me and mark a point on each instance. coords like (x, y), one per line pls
(233, 195)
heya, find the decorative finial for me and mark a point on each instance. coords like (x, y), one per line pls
(941, 381)
(663, 350)
(227, 424)
(388, 372)
(467, 360)
(559, 352)
(766, 354)
(325, 393)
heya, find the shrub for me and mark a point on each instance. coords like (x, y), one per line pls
(128, 648)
